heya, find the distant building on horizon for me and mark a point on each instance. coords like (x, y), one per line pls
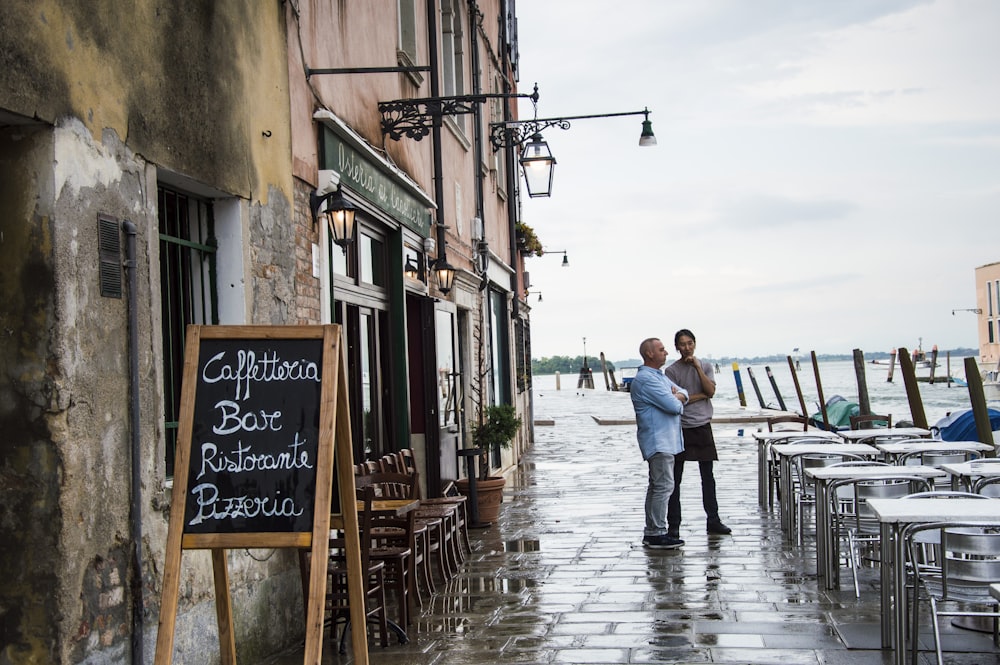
(988, 306)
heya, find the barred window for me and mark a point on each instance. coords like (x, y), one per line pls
(188, 291)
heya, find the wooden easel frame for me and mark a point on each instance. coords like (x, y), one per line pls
(334, 444)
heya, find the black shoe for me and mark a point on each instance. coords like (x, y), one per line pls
(719, 529)
(674, 532)
(662, 542)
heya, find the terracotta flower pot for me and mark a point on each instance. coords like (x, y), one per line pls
(489, 495)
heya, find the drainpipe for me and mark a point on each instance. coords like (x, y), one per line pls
(433, 436)
(513, 197)
(435, 81)
(477, 115)
(135, 506)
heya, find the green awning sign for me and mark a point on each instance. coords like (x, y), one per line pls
(377, 186)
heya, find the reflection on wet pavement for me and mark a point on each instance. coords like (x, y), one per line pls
(563, 578)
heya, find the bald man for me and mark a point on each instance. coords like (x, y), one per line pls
(658, 404)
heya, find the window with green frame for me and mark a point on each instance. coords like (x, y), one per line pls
(188, 291)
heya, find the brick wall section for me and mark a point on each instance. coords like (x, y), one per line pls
(307, 287)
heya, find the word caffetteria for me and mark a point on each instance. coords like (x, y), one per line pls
(250, 368)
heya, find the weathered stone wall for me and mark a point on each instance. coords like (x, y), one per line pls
(30, 460)
(123, 92)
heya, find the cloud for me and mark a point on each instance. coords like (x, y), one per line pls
(763, 211)
(803, 285)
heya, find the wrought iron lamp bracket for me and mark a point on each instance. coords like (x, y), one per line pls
(414, 118)
(517, 133)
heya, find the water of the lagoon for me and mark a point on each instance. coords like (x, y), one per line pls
(837, 377)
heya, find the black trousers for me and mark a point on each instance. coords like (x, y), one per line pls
(708, 498)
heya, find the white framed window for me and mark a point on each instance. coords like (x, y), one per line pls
(406, 47)
(452, 53)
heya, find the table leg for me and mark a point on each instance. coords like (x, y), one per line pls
(822, 531)
(899, 595)
(763, 475)
(785, 502)
(885, 578)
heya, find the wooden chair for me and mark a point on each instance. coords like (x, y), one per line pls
(337, 602)
(424, 540)
(409, 463)
(452, 497)
(784, 423)
(394, 544)
(871, 421)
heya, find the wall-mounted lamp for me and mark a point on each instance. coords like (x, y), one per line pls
(445, 274)
(339, 214)
(536, 158)
(539, 167)
(537, 293)
(974, 311)
(411, 270)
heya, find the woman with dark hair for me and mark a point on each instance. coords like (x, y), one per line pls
(698, 378)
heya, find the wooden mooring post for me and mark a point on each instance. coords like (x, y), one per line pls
(934, 357)
(892, 365)
(917, 414)
(980, 413)
(819, 389)
(864, 406)
(756, 388)
(798, 388)
(774, 386)
(739, 385)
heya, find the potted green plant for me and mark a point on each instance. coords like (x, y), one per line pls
(498, 428)
(527, 241)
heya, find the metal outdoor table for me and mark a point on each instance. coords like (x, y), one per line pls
(895, 515)
(787, 451)
(827, 478)
(965, 474)
(883, 433)
(893, 450)
(765, 440)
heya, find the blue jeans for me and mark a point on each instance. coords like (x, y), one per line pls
(661, 485)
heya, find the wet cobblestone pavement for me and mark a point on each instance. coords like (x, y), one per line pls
(563, 577)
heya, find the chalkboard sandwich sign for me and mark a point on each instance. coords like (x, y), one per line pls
(264, 418)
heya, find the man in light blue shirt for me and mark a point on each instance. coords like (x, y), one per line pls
(658, 403)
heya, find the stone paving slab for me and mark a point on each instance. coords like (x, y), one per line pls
(563, 578)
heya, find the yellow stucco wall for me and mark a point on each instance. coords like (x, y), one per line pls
(200, 88)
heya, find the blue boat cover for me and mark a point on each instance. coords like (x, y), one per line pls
(961, 425)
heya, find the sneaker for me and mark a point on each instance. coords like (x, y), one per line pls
(719, 529)
(662, 542)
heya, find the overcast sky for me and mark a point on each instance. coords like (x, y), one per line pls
(827, 174)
